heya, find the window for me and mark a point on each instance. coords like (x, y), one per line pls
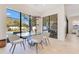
(46, 23)
(25, 23)
(33, 25)
(13, 21)
(19, 23)
(50, 25)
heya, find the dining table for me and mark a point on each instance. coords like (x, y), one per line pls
(35, 38)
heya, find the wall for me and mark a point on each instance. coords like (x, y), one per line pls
(2, 22)
(72, 20)
(61, 20)
(72, 13)
(72, 10)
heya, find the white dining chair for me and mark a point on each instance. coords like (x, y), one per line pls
(14, 40)
(34, 41)
(45, 36)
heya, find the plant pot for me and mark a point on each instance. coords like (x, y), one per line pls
(2, 43)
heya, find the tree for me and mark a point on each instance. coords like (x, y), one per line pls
(16, 22)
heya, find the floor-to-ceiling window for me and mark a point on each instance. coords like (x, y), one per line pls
(13, 21)
(24, 24)
(46, 23)
(53, 26)
(50, 25)
(33, 25)
(17, 22)
(20, 23)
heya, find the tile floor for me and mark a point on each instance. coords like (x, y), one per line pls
(68, 46)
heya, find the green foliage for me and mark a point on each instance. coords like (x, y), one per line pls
(11, 22)
(33, 21)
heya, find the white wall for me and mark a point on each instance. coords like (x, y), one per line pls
(2, 23)
(61, 20)
(73, 20)
(72, 10)
(72, 13)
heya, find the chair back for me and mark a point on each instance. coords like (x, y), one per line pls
(30, 41)
(36, 36)
(13, 37)
(46, 34)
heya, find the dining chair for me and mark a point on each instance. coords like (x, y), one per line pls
(34, 41)
(38, 38)
(14, 40)
(45, 36)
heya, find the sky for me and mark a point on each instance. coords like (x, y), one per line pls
(16, 16)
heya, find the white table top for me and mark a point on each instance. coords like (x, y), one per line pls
(23, 34)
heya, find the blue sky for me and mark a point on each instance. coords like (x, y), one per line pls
(13, 14)
(16, 16)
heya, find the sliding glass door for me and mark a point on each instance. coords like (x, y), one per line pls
(53, 26)
(50, 25)
(46, 23)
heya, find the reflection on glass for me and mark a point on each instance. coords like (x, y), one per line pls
(33, 25)
(46, 23)
(50, 25)
(53, 26)
(25, 23)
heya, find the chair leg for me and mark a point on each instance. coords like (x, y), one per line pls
(46, 41)
(25, 41)
(13, 48)
(37, 48)
(41, 44)
(30, 46)
(23, 45)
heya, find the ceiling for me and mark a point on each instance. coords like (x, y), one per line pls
(40, 9)
(72, 10)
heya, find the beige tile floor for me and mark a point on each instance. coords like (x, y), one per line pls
(69, 46)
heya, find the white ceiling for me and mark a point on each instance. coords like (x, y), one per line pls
(40, 9)
(72, 10)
